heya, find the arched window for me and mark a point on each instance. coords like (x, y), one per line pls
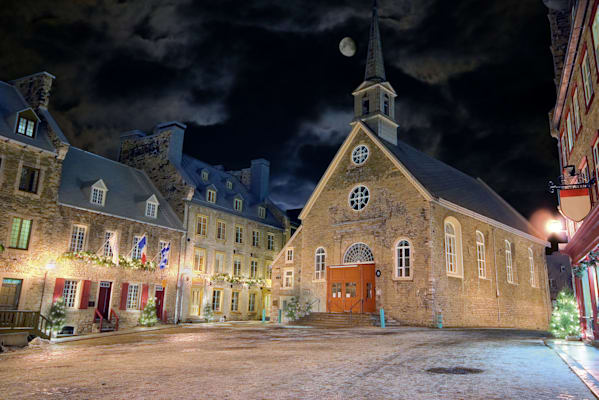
(403, 259)
(531, 263)
(386, 104)
(480, 255)
(453, 247)
(320, 260)
(508, 262)
(365, 105)
(358, 253)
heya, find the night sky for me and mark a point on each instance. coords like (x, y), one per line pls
(265, 78)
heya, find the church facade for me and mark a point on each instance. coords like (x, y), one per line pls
(390, 227)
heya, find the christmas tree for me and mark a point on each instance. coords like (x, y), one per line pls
(58, 314)
(148, 315)
(564, 321)
(208, 313)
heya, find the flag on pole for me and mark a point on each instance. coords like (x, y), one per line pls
(114, 248)
(164, 252)
(142, 246)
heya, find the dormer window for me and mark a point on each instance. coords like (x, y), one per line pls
(238, 204)
(211, 196)
(204, 175)
(365, 105)
(152, 207)
(229, 185)
(262, 212)
(26, 126)
(98, 193)
(386, 104)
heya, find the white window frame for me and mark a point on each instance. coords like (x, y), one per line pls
(256, 238)
(217, 307)
(270, 244)
(202, 225)
(133, 296)
(359, 197)
(78, 236)
(238, 205)
(576, 110)
(289, 255)
(70, 293)
(509, 267)
(569, 131)
(287, 273)
(229, 185)
(481, 257)
(221, 234)
(237, 262)
(235, 301)
(587, 78)
(205, 175)
(136, 252)
(360, 154)
(320, 256)
(531, 263)
(97, 196)
(262, 212)
(454, 264)
(252, 302)
(253, 268)
(107, 250)
(27, 128)
(238, 234)
(595, 34)
(219, 262)
(403, 261)
(211, 196)
(199, 254)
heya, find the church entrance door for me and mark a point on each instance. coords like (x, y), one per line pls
(350, 288)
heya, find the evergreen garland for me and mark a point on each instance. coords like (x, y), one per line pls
(591, 260)
(57, 314)
(148, 315)
(565, 317)
(238, 280)
(107, 261)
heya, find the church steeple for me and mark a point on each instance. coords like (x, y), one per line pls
(374, 99)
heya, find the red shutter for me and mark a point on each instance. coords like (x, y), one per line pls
(144, 296)
(85, 294)
(124, 292)
(58, 288)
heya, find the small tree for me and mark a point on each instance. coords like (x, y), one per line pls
(565, 318)
(148, 315)
(208, 313)
(58, 314)
(294, 309)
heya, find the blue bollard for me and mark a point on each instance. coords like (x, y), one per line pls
(382, 317)
(439, 320)
(280, 315)
(263, 315)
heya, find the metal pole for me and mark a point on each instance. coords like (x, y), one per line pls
(382, 317)
(263, 315)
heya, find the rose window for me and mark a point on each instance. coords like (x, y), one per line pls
(359, 155)
(358, 198)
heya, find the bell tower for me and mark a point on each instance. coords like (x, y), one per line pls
(374, 99)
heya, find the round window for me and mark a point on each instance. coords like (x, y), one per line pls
(358, 197)
(359, 155)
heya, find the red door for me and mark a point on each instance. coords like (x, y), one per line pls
(104, 298)
(159, 301)
(351, 288)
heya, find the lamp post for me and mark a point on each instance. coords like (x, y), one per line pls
(51, 265)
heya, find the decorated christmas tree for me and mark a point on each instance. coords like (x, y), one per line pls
(564, 321)
(58, 314)
(208, 313)
(148, 315)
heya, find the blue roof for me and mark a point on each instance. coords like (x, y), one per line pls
(128, 189)
(217, 179)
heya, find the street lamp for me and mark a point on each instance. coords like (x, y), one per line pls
(554, 226)
(51, 265)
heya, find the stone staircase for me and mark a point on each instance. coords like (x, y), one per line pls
(342, 320)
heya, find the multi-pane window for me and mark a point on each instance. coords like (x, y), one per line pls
(253, 269)
(319, 261)
(569, 132)
(268, 271)
(205, 175)
(252, 302)
(576, 110)
(480, 255)
(289, 255)
(219, 262)
(201, 225)
(136, 253)
(217, 296)
(107, 249)
(237, 266)
(29, 179)
(229, 185)
(360, 155)
(77, 238)
(26, 126)
(531, 263)
(211, 196)
(359, 197)
(221, 230)
(69, 293)
(151, 209)
(238, 204)
(20, 233)
(587, 79)
(133, 297)
(238, 234)
(288, 279)
(451, 258)
(199, 259)
(270, 243)
(596, 161)
(595, 34)
(508, 262)
(235, 301)
(262, 212)
(403, 258)
(256, 238)
(97, 196)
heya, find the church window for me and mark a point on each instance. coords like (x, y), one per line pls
(365, 105)
(531, 263)
(480, 255)
(386, 104)
(453, 247)
(320, 260)
(360, 155)
(508, 262)
(358, 253)
(358, 197)
(403, 258)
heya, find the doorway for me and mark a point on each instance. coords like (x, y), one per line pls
(159, 294)
(104, 298)
(195, 301)
(10, 293)
(351, 288)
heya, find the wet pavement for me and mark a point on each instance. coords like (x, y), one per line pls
(259, 362)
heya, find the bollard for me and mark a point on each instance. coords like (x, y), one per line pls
(439, 320)
(263, 315)
(382, 318)
(280, 315)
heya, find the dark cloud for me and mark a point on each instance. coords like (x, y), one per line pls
(264, 78)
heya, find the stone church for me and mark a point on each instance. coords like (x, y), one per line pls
(390, 227)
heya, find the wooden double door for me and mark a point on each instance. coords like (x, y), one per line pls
(351, 288)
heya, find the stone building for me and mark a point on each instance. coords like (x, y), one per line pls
(390, 227)
(233, 230)
(61, 205)
(574, 122)
(560, 274)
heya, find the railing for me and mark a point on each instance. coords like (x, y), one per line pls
(99, 315)
(26, 320)
(116, 316)
(360, 301)
(314, 302)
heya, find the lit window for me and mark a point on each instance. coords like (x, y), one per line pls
(235, 301)
(320, 261)
(576, 108)
(450, 249)
(97, 196)
(359, 155)
(69, 293)
(26, 126)
(217, 296)
(219, 262)
(133, 297)
(531, 263)
(107, 249)
(211, 196)
(403, 268)
(221, 230)
(20, 233)
(587, 79)
(358, 253)
(253, 269)
(289, 257)
(238, 234)
(237, 266)
(199, 260)
(270, 244)
(262, 212)
(201, 225)
(480, 255)
(288, 279)
(256, 238)
(29, 179)
(77, 238)
(508, 262)
(358, 197)
(252, 302)
(238, 204)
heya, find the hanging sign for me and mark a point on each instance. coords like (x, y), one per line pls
(575, 204)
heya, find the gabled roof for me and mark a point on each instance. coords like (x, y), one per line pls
(130, 188)
(217, 179)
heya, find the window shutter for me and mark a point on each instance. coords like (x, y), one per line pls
(58, 288)
(144, 296)
(124, 292)
(85, 294)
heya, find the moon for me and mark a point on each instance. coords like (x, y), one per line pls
(347, 46)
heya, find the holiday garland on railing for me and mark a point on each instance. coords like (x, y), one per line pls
(107, 261)
(591, 261)
(238, 280)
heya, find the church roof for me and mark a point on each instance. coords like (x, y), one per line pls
(375, 68)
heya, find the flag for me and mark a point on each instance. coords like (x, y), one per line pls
(164, 252)
(142, 245)
(113, 243)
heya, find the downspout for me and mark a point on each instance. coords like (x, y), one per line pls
(179, 300)
(432, 273)
(496, 277)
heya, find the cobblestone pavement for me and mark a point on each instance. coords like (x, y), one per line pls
(255, 362)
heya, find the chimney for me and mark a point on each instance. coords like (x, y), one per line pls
(35, 88)
(175, 145)
(259, 181)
